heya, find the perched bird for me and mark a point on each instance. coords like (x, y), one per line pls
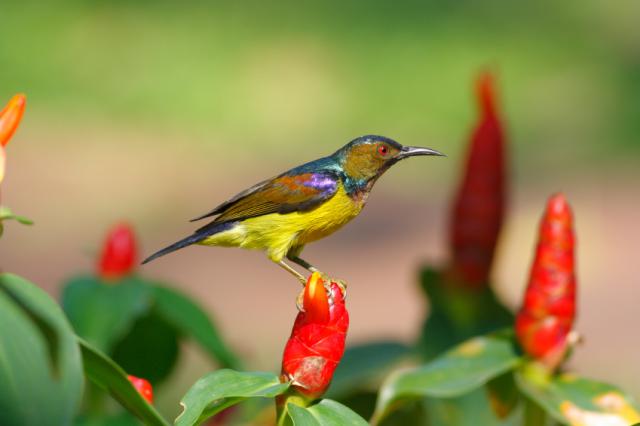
(282, 214)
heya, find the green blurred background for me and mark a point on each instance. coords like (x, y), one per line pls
(155, 111)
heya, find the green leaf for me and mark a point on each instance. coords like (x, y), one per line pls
(471, 409)
(462, 369)
(363, 364)
(210, 394)
(190, 320)
(40, 365)
(574, 400)
(324, 413)
(109, 376)
(458, 313)
(7, 214)
(150, 349)
(102, 313)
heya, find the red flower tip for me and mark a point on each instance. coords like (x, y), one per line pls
(478, 208)
(316, 302)
(548, 312)
(10, 117)
(485, 92)
(143, 387)
(119, 253)
(317, 340)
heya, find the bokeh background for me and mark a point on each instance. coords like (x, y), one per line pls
(154, 112)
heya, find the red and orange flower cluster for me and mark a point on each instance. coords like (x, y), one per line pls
(317, 340)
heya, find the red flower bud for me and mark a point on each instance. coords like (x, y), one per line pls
(10, 117)
(143, 387)
(479, 205)
(547, 314)
(317, 340)
(119, 253)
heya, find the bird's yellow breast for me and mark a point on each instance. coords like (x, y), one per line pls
(278, 233)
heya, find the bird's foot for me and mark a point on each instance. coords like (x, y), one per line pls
(342, 284)
(300, 301)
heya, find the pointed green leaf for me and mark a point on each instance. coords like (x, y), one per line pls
(102, 313)
(301, 416)
(210, 394)
(460, 370)
(105, 373)
(366, 363)
(325, 413)
(190, 320)
(574, 400)
(40, 365)
(7, 214)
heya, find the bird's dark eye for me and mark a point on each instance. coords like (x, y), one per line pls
(383, 150)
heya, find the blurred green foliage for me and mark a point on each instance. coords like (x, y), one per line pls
(315, 72)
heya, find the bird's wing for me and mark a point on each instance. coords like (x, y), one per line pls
(284, 194)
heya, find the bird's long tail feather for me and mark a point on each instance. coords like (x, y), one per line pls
(198, 236)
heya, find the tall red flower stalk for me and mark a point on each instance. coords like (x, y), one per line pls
(119, 253)
(478, 208)
(317, 340)
(544, 322)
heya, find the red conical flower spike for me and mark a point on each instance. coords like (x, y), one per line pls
(143, 387)
(317, 340)
(10, 117)
(479, 205)
(119, 253)
(547, 314)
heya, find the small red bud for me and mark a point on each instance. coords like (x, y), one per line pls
(317, 340)
(479, 205)
(143, 387)
(548, 312)
(118, 254)
(10, 117)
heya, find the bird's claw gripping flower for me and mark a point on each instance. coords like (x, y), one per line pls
(543, 324)
(479, 205)
(119, 253)
(143, 387)
(317, 340)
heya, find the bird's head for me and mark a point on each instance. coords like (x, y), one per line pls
(367, 157)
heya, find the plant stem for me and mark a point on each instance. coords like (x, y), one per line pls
(281, 406)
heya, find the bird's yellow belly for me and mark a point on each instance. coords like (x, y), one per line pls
(278, 233)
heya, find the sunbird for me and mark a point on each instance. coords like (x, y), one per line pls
(309, 202)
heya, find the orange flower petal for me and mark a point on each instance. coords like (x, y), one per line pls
(10, 117)
(316, 302)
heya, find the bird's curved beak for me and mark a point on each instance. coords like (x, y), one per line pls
(411, 151)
